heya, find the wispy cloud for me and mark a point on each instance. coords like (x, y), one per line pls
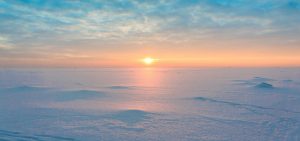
(35, 24)
(5, 43)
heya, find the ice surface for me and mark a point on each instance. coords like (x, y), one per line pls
(78, 95)
(131, 116)
(150, 104)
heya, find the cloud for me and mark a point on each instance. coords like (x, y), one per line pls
(4, 43)
(116, 19)
(32, 24)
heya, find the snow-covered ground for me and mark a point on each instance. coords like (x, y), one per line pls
(227, 104)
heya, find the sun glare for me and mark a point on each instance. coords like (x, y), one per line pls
(148, 60)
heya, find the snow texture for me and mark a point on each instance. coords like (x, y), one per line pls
(150, 104)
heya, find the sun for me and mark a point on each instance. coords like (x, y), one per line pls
(148, 60)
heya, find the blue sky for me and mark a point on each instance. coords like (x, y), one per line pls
(39, 29)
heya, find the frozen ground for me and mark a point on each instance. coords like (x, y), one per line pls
(150, 104)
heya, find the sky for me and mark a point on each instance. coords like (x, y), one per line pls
(176, 33)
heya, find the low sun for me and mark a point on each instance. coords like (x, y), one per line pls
(148, 60)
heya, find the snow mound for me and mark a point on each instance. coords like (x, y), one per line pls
(12, 135)
(253, 81)
(264, 85)
(119, 87)
(131, 116)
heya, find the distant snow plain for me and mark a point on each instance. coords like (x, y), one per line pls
(205, 104)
